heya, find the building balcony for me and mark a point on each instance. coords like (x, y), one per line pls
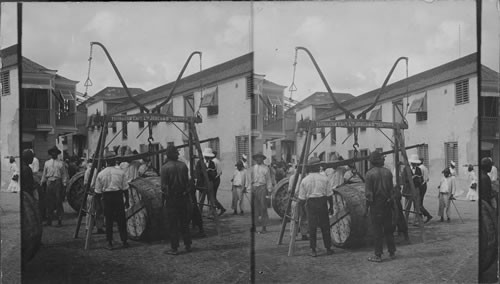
(490, 127)
(37, 119)
(66, 120)
(274, 125)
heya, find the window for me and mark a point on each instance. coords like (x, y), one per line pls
(451, 154)
(489, 106)
(5, 78)
(421, 116)
(241, 146)
(333, 134)
(423, 153)
(210, 100)
(398, 111)
(124, 128)
(376, 114)
(363, 117)
(249, 86)
(462, 92)
(380, 150)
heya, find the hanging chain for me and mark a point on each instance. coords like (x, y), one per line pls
(88, 82)
(355, 146)
(293, 88)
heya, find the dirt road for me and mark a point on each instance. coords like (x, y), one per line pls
(448, 255)
(10, 234)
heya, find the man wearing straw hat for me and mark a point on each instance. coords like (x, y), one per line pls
(208, 155)
(55, 178)
(380, 203)
(175, 186)
(111, 185)
(317, 196)
(261, 184)
(418, 181)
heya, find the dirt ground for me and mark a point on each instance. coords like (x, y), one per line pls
(10, 234)
(448, 255)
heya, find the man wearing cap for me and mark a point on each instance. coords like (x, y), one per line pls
(175, 186)
(111, 185)
(261, 185)
(317, 197)
(418, 181)
(54, 178)
(380, 203)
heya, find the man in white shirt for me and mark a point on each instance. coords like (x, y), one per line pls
(315, 193)
(261, 184)
(111, 185)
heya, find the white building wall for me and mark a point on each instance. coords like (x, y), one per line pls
(446, 122)
(232, 120)
(9, 127)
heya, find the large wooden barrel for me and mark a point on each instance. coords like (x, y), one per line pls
(31, 228)
(154, 225)
(488, 238)
(75, 191)
(348, 226)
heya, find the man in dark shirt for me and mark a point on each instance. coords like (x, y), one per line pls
(380, 202)
(175, 187)
(27, 181)
(485, 190)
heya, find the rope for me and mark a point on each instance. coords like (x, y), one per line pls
(293, 88)
(88, 82)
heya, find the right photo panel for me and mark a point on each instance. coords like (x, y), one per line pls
(365, 164)
(489, 137)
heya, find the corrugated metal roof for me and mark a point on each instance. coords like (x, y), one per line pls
(461, 67)
(235, 67)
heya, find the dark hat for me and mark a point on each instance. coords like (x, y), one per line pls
(313, 160)
(171, 149)
(446, 171)
(376, 158)
(486, 164)
(239, 164)
(27, 154)
(54, 150)
(259, 155)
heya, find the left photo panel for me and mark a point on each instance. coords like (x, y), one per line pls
(137, 116)
(10, 165)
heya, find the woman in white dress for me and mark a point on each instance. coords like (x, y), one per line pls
(14, 174)
(472, 194)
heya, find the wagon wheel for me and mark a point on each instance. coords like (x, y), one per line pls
(280, 197)
(340, 228)
(75, 191)
(488, 237)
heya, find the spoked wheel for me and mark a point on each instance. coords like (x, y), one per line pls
(340, 228)
(75, 191)
(280, 197)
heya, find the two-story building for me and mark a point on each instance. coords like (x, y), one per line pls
(48, 109)
(440, 107)
(489, 113)
(268, 123)
(220, 95)
(9, 111)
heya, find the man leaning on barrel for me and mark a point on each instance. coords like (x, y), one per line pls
(380, 204)
(315, 193)
(111, 185)
(176, 190)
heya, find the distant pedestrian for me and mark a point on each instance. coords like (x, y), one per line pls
(55, 178)
(317, 197)
(380, 203)
(261, 186)
(176, 190)
(218, 167)
(112, 187)
(446, 191)
(238, 182)
(35, 165)
(208, 155)
(14, 176)
(420, 183)
(472, 193)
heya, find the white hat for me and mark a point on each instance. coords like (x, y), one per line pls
(244, 157)
(414, 159)
(452, 163)
(208, 152)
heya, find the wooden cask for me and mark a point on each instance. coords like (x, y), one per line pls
(75, 191)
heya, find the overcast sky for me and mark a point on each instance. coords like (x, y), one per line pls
(490, 34)
(356, 43)
(149, 42)
(8, 24)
